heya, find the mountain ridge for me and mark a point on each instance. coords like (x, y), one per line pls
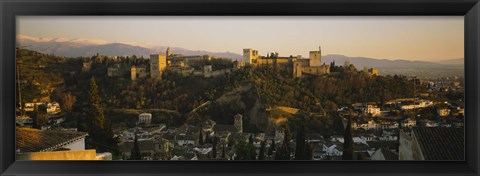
(80, 47)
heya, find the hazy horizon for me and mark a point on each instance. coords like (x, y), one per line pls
(393, 38)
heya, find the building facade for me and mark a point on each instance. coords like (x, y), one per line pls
(145, 118)
(250, 56)
(137, 72)
(158, 63)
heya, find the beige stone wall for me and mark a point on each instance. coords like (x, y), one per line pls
(315, 58)
(297, 69)
(137, 72)
(405, 148)
(317, 70)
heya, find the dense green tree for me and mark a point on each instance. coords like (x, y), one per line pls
(67, 100)
(245, 151)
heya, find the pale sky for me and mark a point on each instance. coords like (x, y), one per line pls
(411, 38)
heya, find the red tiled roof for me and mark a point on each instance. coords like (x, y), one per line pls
(35, 140)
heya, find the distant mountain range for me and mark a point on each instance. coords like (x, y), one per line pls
(89, 47)
(361, 62)
(421, 69)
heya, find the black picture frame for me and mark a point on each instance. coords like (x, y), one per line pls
(470, 9)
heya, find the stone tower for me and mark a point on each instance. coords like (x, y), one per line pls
(316, 57)
(133, 73)
(250, 56)
(168, 53)
(238, 123)
(158, 63)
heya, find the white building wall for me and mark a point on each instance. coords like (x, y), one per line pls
(77, 145)
(378, 155)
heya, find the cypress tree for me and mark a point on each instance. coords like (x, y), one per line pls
(40, 116)
(283, 151)
(288, 135)
(223, 150)
(100, 133)
(300, 145)
(214, 149)
(207, 139)
(200, 138)
(250, 140)
(286, 141)
(35, 117)
(348, 150)
(308, 151)
(272, 148)
(135, 153)
(96, 110)
(261, 154)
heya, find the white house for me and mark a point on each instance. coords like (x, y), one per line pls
(183, 140)
(443, 112)
(373, 110)
(333, 151)
(144, 118)
(27, 140)
(409, 122)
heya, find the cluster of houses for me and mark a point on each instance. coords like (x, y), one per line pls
(53, 111)
(372, 140)
(399, 106)
(52, 108)
(187, 142)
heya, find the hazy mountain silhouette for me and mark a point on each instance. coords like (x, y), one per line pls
(451, 62)
(89, 47)
(421, 69)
